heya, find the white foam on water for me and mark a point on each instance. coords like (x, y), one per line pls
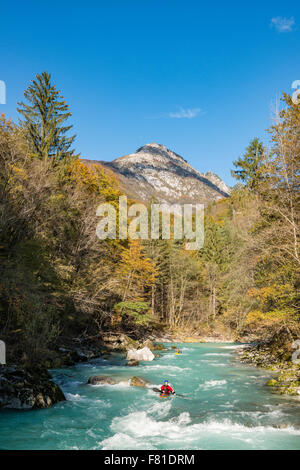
(171, 368)
(103, 403)
(82, 365)
(217, 354)
(74, 383)
(229, 426)
(227, 405)
(150, 386)
(91, 433)
(117, 386)
(85, 402)
(183, 419)
(262, 414)
(121, 441)
(211, 362)
(73, 396)
(139, 424)
(160, 409)
(168, 356)
(212, 384)
(138, 430)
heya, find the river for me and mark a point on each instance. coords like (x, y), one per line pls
(225, 405)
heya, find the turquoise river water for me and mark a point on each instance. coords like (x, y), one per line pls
(226, 405)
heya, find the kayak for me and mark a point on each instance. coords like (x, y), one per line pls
(162, 395)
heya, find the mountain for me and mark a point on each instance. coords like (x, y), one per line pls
(155, 171)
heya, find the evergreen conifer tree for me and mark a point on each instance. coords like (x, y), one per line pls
(249, 165)
(44, 118)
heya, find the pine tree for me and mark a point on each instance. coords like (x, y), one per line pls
(44, 118)
(249, 165)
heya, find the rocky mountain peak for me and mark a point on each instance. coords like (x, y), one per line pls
(155, 171)
(150, 153)
(158, 149)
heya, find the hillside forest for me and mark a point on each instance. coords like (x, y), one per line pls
(58, 280)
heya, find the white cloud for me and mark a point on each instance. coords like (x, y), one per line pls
(182, 113)
(283, 25)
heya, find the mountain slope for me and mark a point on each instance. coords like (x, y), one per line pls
(155, 171)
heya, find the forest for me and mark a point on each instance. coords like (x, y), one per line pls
(58, 280)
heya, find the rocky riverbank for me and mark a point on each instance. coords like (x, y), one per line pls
(277, 357)
(73, 351)
(187, 337)
(27, 388)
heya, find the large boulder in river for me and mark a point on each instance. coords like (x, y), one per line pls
(138, 382)
(27, 388)
(101, 380)
(119, 342)
(143, 354)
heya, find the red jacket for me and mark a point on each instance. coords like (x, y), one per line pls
(166, 389)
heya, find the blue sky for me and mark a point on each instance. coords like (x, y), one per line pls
(201, 78)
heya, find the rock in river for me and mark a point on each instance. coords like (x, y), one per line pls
(143, 354)
(117, 342)
(101, 379)
(27, 388)
(138, 382)
(132, 363)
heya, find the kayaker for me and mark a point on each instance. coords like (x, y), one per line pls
(165, 389)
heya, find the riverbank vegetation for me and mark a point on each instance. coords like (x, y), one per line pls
(59, 281)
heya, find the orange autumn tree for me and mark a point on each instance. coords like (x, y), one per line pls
(136, 275)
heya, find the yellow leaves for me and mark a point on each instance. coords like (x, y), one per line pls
(55, 199)
(133, 260)
(262, 293)
(18, 172)
(95, 179)
(135, 271)
(254, 317)
(16, 178)
(65, 272)
(259, 318)
(275, 292)
(82, 175)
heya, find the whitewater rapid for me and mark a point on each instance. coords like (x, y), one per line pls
(224, 405)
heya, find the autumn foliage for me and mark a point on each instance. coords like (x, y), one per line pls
(58, 279)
